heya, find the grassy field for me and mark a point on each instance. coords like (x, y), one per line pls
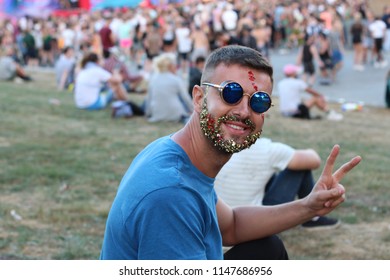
(60, 168)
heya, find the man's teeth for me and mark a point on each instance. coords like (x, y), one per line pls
(235, 127)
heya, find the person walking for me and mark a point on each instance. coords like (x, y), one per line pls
(378, 33)
(307, 56)
(357, 31)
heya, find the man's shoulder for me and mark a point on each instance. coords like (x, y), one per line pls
(195, 71)
(6, 59)
(159, 150)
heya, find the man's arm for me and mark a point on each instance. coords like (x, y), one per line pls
(313, 92)
(253, 222)
(307, 159)
(316, 55)
(63, 79)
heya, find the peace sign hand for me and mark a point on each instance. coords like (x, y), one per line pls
(328, 193)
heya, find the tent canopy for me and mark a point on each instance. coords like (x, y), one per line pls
(117, 4)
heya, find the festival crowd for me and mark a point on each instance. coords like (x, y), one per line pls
(126, 42)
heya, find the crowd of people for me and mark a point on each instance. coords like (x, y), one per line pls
(129, 39)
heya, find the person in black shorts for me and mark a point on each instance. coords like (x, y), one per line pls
(306, 57)
(325, 54)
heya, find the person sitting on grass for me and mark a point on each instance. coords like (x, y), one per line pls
(95, 87)
(271, 173)
(113, 63)
(291, 103)
(65, 69)
(167, 99)
(10, 68)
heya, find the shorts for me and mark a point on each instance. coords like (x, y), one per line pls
(302, 112)
(368, 42)
(336, 57)
(183, 56)
(105, 97)
(378, 44)
(168, 42)
(32, 53)
(308, 68)
(125, 43)
(328, 63)
(150, 56)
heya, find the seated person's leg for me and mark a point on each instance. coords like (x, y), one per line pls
(318, 102)
(268, 248)
(21, 73)
(119, 91)
(137, 110)
(303, 112)
(105, 97)
(99, 104)
(287, 185)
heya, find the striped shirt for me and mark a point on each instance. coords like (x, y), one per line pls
(243, 178)
(112, 63)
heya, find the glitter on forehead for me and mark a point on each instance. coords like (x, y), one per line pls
(252, 78)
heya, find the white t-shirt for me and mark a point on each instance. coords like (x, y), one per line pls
(7, 68)
(229, 19)
(69, 36)
(88, 83)
(184, 42)
(63, 64)
(378, 29)
(243, 178)
(290, 90)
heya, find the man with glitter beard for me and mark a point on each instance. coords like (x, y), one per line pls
(166, 206)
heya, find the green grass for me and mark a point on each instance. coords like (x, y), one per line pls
(60, 168)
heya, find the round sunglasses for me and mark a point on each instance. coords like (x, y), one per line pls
(232, 93)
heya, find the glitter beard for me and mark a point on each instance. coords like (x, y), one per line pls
(212, 130)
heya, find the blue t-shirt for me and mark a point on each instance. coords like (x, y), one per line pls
(165, 208)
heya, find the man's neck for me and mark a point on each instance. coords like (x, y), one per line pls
(201, 151)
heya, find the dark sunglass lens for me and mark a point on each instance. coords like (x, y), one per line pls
(260, 102)
(232, 93)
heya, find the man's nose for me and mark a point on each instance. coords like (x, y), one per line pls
(243, 106)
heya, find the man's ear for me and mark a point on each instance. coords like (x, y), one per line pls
(197, 97)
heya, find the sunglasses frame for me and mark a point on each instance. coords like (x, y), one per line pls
(222, 86)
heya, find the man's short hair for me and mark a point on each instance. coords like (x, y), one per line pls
(66, 49)
(236, 55)
(200, 59)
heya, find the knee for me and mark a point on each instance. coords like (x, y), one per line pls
(268, 248)
(277, 249)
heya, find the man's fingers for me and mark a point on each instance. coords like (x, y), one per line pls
(330, 161)
(339, 197)
(335, 202)
(345, 168)
(331, 194)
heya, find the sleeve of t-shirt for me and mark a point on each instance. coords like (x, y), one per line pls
(12, 66)
(170, 225)
(280, 155)
(104, 75)
(303, 85)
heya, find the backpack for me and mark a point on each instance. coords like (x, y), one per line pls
(121, 109)
(125, 109)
